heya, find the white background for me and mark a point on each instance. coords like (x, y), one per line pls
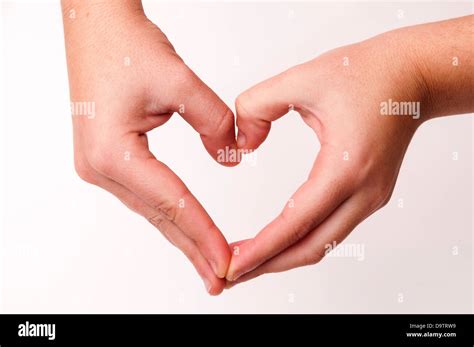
(70, 247)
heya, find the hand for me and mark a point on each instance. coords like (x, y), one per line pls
(341, 95)
(123, 68)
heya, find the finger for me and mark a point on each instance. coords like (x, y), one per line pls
(173, 234)
(269, 100)
(312, 249)
(210, 117)
(155, 184)
(235, 246)
(313, 202)
(235, 249)
(213, 284)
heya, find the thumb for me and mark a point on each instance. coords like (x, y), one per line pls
(260, 105)
(209, 116)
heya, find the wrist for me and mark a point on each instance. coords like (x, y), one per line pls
(439, 59)
(405, 71)
(392, 63)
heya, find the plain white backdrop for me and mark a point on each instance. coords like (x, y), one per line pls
(67, 246)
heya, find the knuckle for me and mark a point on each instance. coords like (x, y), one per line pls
(298, 233)
(386, 199)
(242, 105)
(84, 171)
(312, 258)
(247, 106)
(223, 122)
(185, 73)
(101, 159)
(381, 194)
(286, 215)
(157, 220)
(184, 77)
(167, 209)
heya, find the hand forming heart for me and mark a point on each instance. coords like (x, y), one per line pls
(123, 68)
(131, 96)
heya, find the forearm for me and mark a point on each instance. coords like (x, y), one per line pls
(442, 53)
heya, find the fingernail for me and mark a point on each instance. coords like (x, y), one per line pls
(207, 285)
(235, 276)
(241, 139)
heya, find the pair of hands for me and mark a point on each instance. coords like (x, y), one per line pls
(126, 66)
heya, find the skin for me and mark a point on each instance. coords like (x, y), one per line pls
(341, 103)
(355, 170)
(131, 100)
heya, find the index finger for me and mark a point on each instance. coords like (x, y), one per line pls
(157, 185)
(202, 108)
(313, 202)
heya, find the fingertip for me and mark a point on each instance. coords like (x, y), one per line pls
(212, 284)
(252, 133)
(220, 268)
(241, 261)
(225, 153)
(234, 271)
(229, 163)
(241, 139)
(221, 260)
(215, 287)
